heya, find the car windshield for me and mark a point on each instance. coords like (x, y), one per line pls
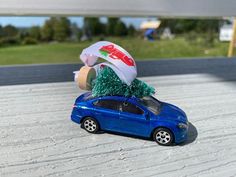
(152, 104)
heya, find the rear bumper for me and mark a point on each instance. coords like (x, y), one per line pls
(75, 119)
(75, 116)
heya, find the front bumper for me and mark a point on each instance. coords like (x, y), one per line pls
(181, 134)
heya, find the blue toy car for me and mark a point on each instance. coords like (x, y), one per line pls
(146, 117)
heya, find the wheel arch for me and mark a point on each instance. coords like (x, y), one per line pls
(82, 119)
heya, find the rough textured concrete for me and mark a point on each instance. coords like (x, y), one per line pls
(37, 137)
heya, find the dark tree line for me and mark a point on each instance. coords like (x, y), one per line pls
(54, 29)
(61, 29)
(179, 26)
(57, 29)
(113, 27)
(207, 29)
(8, 34)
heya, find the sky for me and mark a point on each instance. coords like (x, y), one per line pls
(39, 21)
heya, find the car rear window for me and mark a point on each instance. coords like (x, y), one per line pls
(88, 96)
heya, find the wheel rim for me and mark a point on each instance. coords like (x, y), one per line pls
(90, 125)
(163, 137)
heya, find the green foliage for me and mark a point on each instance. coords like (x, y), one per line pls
(110, 27)
(56, 28)
(120, 29)
(79, 35)
(131, 30)
(9, 31)
(61, 29)
(1, 31)
(7, 41)
(179, 26)
(115, 27)
(23, 34)
(145, 50)
(93, 25)
(29, 40)
(76, 32)
(34, 33)
(108, 83)
(209, 25)
(207, 39)
(47, 30)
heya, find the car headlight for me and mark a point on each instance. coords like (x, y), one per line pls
(182, 125)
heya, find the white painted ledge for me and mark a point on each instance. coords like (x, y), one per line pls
(166, 8)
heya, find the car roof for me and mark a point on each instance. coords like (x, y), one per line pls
(90, 97)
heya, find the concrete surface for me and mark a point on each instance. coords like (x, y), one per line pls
(37, 137)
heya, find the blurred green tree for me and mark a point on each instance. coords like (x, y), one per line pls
(1, 31)
(131, 30)
(56, 28)
(179, 26)
(61, 29)
(23, 34)
(110, 26)
(34, 33)
(76, 32)
(10, 31)
(93, 26)
(47, 30)
(206, 25)
(120, 29)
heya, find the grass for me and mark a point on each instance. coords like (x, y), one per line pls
(138, 48)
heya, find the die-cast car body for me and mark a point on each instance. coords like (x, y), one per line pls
(146, 117)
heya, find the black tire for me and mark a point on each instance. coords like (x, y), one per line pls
(90, 125)
(163, 136)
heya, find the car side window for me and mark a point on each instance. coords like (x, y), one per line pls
(108, 104)
(131, 108)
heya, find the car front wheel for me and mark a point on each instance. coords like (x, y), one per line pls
(163, 136)
(90, 125)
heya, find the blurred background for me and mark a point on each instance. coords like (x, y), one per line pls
(35, 40)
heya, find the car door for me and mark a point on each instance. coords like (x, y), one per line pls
(133, 119)
(107, 113)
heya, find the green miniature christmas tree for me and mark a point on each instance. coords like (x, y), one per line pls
(108, 83)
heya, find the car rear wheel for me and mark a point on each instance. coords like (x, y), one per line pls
(90, 125)
(163, 136)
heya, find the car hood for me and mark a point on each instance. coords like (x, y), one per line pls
(172, 112)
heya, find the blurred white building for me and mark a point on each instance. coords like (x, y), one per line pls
(226, 32)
